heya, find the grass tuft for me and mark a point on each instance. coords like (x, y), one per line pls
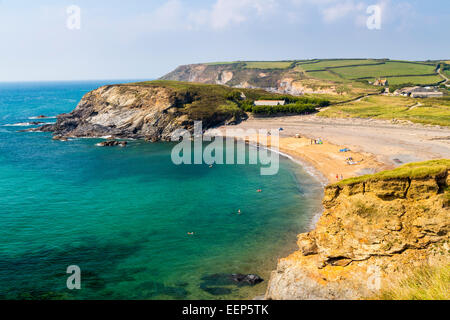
(426, 283)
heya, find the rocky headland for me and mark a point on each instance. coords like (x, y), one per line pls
(151, 110)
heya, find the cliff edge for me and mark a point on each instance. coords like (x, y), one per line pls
(279, 77)
(152, 110)
(373, 230)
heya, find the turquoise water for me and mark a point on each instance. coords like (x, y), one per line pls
(122, 214)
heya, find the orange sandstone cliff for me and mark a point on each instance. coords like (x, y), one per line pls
(374, 229)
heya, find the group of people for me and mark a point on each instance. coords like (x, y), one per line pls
(316, 141)
(337, 177)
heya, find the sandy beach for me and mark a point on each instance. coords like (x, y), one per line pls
(375, 145)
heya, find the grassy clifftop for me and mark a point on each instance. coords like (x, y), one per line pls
(203, 100)
(417, 170)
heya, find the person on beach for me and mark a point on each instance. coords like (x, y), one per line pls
(337, 177)
(342, 177)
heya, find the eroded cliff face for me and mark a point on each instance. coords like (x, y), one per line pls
(135, 111)
(285, 81)
(370, 234)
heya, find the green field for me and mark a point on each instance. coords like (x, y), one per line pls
(432, 111)
(446, 73)
(346, 78)
(268, 64)
(326, 75)
(397, 72)
(386, 70)
(324, 64)
(416, 80)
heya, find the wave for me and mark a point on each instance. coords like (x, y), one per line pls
(20, 124)
(310, 170)
(27, 124)
(41, 117)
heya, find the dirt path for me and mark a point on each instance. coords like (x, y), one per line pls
(444, 77)
(418, 104)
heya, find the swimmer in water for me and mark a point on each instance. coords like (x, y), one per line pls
(239, 211)
(190, 233)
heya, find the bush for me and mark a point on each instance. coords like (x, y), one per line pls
(302, 100)
(297, 108)
(234, 96)
(394, 87)
(247, 105)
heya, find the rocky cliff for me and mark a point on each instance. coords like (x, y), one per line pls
(373, 230)
(287, 80)
(151, 110)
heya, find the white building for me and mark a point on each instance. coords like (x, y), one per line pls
(426, 94)
(270, 103)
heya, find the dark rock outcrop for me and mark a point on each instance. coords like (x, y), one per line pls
(112, 143)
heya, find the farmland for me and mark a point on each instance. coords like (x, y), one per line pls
(397, 72)
(387, 69)
(425, 111)
(268, 64)
(326, 64)
(338, 79)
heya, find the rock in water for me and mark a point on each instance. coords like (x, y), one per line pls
(112, 143)
(250, 279)
(59, 138)
(223, 279)
(219, 283)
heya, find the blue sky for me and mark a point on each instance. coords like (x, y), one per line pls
(139, 39)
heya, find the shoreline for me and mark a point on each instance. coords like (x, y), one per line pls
(317, 169)
(379, 147)
(324, 162)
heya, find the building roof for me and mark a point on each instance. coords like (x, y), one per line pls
(270, 102)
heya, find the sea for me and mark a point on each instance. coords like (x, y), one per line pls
(132, 223)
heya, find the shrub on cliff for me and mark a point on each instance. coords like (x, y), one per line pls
(297, 108)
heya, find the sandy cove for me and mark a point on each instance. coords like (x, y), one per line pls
(375, 145)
